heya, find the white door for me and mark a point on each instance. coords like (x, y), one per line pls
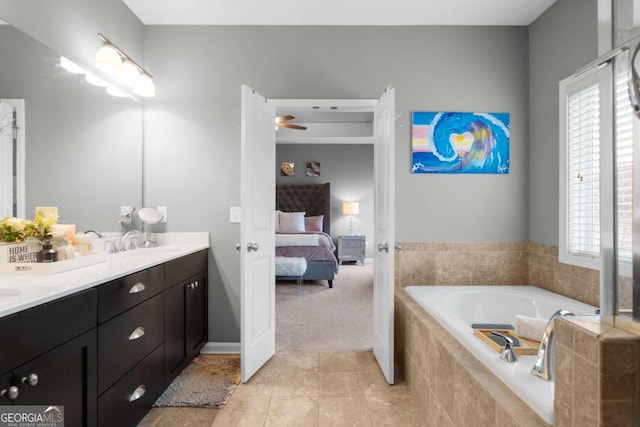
(257, 235)
(6, 159)
(384, 232)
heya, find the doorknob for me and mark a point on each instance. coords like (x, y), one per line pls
(238, 247)
(383, 248)
(252, 247)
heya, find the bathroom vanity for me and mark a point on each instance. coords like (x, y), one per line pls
(106, 340)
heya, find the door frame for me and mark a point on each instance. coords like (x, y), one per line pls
(344, 105)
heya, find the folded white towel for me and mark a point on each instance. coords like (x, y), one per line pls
(531, 328)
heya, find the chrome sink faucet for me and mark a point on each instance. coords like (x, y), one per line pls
(123, 241)
(544, 367)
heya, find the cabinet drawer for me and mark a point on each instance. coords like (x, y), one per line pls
(182, 268)
(122, 294)
(119, 406)
(126, 339)
(33, 332)
(352, 243)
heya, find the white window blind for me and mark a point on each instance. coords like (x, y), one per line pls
(624, 165)
(583, 171)
(580, 169)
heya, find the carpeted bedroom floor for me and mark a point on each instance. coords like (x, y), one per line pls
(322, 319)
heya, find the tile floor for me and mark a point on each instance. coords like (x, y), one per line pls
(306, 389)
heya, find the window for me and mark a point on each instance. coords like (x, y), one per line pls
(580, 169)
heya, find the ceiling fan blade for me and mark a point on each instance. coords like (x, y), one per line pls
(282, 119)
(291, 126)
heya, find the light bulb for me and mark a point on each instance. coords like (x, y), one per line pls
(108, 59)
(130, 74)
(145, 86)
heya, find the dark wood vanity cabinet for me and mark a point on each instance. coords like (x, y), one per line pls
(186, 317)
(49, 357)
(107, 353)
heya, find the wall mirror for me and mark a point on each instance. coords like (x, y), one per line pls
(83, 147)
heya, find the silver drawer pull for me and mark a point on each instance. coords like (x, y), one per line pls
(137, 333)
(10, 393)
(31, 380)
(138, 287)
(138, 393)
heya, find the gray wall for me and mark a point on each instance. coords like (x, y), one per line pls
(349, 169)
(192, 132)
(561, 40)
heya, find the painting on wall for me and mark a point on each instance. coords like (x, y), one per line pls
(460, 143)
(287, 169)
(313, 168)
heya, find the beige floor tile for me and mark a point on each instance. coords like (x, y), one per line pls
(400, 411)
(377, 385)
(260, 385)
(242, 411)
(340, 384)
(296, 383)
(338, 362)
(192, 417)
(292, 411)
(295, 361)
(152, 417)
(343, 411)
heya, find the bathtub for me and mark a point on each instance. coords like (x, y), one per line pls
(457, 307)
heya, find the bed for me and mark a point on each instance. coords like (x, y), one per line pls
(314, 200)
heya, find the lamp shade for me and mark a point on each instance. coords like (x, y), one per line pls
(130, 74)
(108, 59)
(350, 208)
(145, 86)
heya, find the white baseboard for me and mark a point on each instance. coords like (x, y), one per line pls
(221, 348)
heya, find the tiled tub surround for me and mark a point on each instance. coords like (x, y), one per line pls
(487, 263)
(598, 375)
(593, 388)
(450, 386)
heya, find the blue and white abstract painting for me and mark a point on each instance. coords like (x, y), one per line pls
(460, 142)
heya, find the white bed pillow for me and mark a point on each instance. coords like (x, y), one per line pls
(291, 222)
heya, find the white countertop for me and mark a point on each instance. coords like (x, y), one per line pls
(21, 291)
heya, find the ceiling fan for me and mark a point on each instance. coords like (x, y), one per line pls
(281, 121)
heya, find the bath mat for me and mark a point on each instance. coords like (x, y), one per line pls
(208, 382)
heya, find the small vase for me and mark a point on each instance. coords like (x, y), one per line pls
(47, 254)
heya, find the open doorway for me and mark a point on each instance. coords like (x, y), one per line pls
(257, 236)
(315, 317)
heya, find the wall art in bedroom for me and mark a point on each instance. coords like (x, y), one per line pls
(313, 168)
(460, 142)
(287, 169)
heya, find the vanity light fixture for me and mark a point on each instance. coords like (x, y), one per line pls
(111, 59)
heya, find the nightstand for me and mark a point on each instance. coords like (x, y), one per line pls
(351, 248)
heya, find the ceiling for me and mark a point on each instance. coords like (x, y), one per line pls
(338, 12)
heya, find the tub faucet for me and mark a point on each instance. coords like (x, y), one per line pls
(544, 362)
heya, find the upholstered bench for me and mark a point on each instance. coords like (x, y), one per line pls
(291, 268)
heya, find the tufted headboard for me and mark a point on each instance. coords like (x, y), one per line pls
(314, 199)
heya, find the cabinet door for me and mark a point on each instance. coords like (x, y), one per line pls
(5, 383)
(67, 376)
(196, 315)
(174, 338)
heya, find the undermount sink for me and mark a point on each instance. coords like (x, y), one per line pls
(8, 293)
